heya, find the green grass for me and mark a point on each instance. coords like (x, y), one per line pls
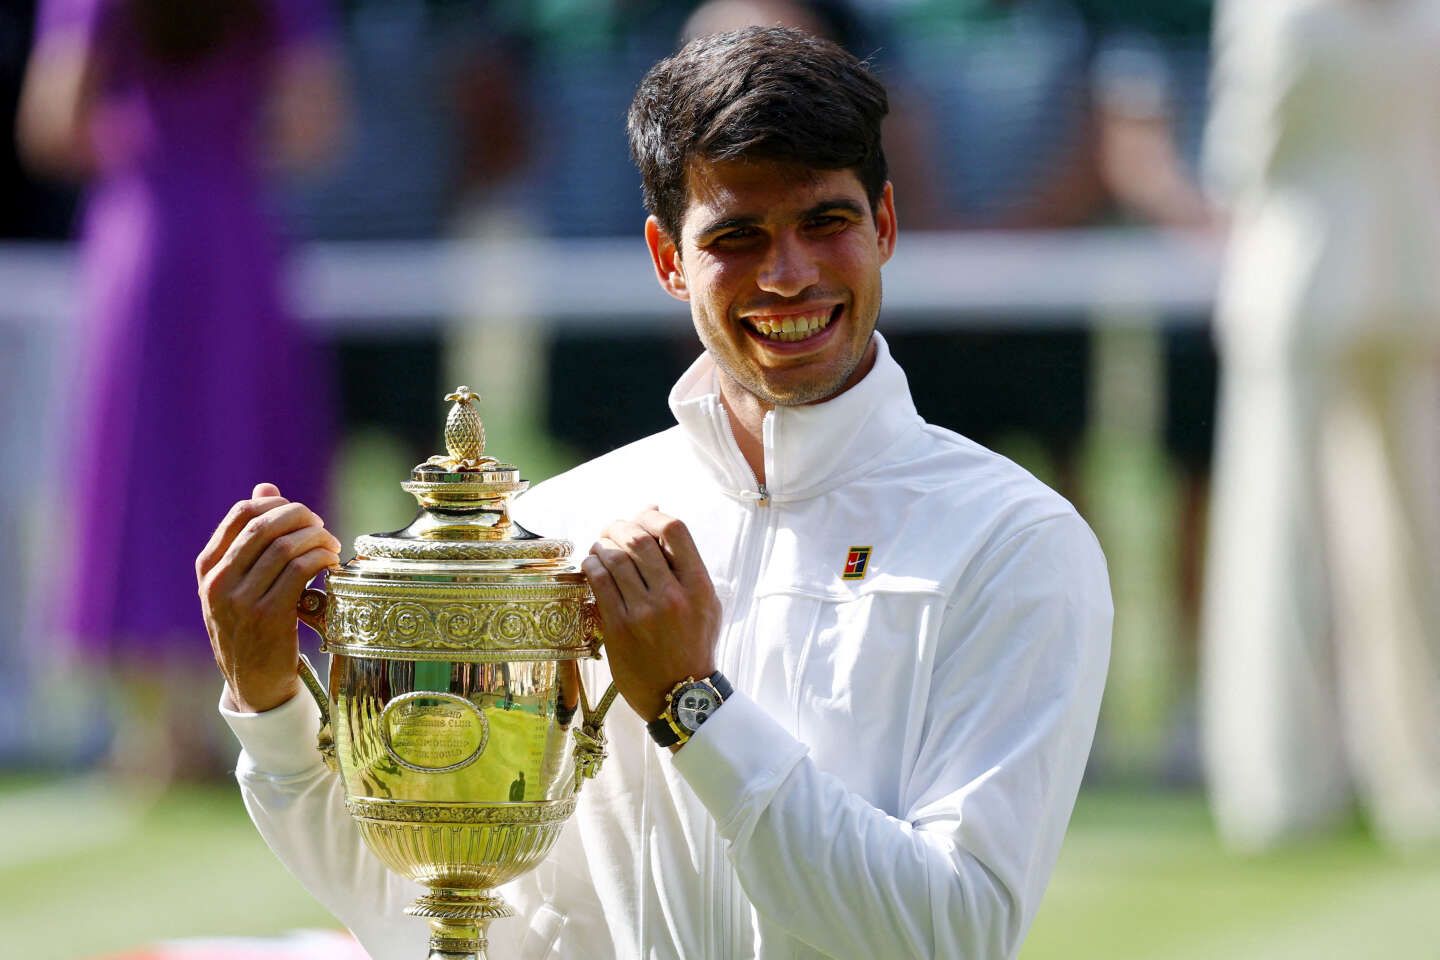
(87, 871)
(1141, 878)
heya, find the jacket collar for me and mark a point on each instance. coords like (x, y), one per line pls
(808, 449)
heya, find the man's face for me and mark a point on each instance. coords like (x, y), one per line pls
(781, 267)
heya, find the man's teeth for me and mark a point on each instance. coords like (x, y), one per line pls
(789, 329)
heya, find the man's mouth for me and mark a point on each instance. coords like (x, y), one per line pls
(792, 327)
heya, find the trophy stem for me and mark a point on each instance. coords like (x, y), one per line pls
(458, 940)
(459, 920)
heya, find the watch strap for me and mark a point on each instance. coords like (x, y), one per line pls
(662, 732)
(721, 685)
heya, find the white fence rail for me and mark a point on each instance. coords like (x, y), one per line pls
(1101, 278)
(935, 280)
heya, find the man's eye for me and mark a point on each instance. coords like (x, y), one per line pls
(827, 224)
(736, 236)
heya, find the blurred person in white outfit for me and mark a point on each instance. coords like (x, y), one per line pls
(1321, 637)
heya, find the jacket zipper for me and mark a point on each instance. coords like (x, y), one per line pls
(724, 892)
(760, 496)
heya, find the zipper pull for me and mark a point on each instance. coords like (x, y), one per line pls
(760, 497)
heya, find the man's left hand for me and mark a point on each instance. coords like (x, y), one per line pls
(660, 611)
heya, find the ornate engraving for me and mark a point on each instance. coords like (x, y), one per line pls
(431, 732)
(450, 945)
(501, 550)
(361, 620)
(589, 754)
(514, 625)
(465, 621)
(452, 857)
(516, 814)
(559, 622)
(453, 907)
(408, 623)
(506, 587)
(459, 623)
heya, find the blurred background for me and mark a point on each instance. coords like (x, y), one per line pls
(1152, 250)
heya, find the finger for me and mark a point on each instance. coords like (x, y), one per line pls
(622, 570)
(644, 550)
(272, 561)
(240, 514)
(260, 532)
(265, 490)
(285, 592)
(607, 595)
(680, 550)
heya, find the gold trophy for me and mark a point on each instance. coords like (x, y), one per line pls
(454, 688)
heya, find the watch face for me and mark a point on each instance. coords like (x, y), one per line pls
(694, 705)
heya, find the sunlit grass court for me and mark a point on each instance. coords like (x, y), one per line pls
(1141, 878)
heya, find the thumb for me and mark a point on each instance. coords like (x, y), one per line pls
(264, 490)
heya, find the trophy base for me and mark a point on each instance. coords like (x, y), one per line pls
(458, 921)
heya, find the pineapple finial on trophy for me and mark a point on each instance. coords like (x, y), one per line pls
(464, 432)
(463, 478)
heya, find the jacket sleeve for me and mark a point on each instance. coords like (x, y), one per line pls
(299, 808)
(1012, 705)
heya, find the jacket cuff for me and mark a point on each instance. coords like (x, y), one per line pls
(279, 742)
(736, 762)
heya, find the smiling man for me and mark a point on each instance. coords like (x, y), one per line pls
(869, 653)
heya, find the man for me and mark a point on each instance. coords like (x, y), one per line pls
(893, 771)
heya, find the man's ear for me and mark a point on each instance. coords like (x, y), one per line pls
(665, 255)
(887, 228)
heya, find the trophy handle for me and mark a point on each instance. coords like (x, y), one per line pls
(311, 610)
(325, 739)
(590, 735)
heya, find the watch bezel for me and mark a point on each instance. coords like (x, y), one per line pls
(682, 715)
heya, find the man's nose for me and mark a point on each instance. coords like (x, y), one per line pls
(788, 268)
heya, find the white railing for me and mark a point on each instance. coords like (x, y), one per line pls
(1100, 278)
(1097, 276)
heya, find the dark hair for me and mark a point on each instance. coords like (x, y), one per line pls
(761, 93)
(182, 33)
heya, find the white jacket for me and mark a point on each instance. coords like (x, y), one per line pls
(895, 773)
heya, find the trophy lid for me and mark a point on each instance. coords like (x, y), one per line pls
(464, 499)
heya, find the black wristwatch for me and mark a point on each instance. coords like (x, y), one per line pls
(689, 704)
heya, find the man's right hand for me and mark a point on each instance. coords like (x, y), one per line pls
(251, 575)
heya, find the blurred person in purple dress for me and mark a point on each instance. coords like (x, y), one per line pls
(189, 371)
